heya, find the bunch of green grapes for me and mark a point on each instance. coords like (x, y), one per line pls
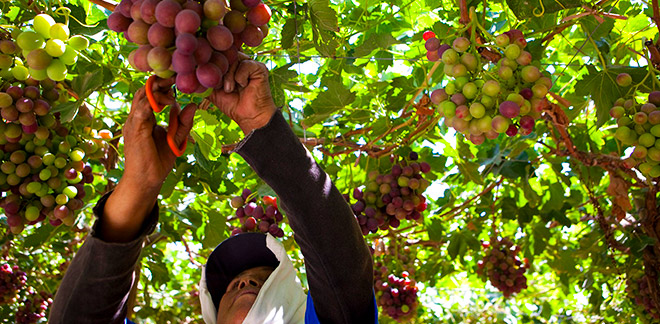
(42, 53)
(639, 126)
(484, 100)
(43, 163)
(192, 40)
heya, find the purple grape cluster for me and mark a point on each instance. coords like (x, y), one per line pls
(639, 289)
(638, 125)
(34, 307)
(507, 97)
(196, 41)
(502, 266)
(387, 199)
(43, 165)
(12, 279)
(397, 297)
(255, 216)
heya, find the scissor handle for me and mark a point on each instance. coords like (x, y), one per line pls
(150, 95)
(174, 119)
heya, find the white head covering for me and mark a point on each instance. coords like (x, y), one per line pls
(280, 300)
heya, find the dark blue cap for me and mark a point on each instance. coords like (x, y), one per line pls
(233, 256)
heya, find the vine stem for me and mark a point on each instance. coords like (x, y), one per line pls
(105, 4)
(453, 212)
(656, 17)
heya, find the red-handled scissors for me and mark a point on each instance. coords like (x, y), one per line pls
(174, 119)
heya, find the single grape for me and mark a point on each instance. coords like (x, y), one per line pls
(183, 63)
(220, 38)
(203, 52)
(187, 82)
(166, 12)
(214, 9)
(187, 21)
(259, 15)
(38, 59)
(160, 36)
(78, 42)
(252, 35)
(159, 58)
(235, 21)
(138, 32)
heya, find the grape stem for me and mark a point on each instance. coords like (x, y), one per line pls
(105, 4)
(455, 211)
(656, 17)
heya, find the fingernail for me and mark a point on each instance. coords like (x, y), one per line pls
(227, 86)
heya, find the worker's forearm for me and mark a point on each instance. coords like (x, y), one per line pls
(126, 210)
(337, 260)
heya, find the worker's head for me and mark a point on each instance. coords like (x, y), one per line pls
(235, 272)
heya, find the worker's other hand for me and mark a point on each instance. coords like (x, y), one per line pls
(245, 96)
(148, 156)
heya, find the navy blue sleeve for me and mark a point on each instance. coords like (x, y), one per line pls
(337, 260)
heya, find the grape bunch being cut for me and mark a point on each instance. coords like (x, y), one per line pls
(483, 100)
(194, 41)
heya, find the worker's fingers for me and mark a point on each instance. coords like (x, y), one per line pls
(228, 78)
(250, 70)
(140, 108)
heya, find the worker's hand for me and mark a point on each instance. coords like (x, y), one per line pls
(245, 96)
(148, 161)
(148, 156)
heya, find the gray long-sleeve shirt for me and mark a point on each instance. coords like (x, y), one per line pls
(96, 286)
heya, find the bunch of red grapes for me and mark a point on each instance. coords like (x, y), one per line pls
(12, 279)
(43, 165)
(34, 307)
(639, 126)
(502, 266)
(196, 41)
(639, 289)
(397, 297)
(255, 216)
(387, 199)
(482, 103)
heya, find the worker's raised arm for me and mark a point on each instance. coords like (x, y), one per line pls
(337, 260)
(97, 283)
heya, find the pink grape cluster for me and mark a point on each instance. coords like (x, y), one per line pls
(638, 287)
(34, 307)
(196, 41)
(639, 126)
(502, 266)
(256, 216)
(482, 103)
(12, 279)
(397, 297)
(387, 199)
(43, 165)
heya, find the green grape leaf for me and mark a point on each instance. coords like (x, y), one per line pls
(603, 90)
(214, 230)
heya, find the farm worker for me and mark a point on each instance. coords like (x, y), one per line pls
(248, 278)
